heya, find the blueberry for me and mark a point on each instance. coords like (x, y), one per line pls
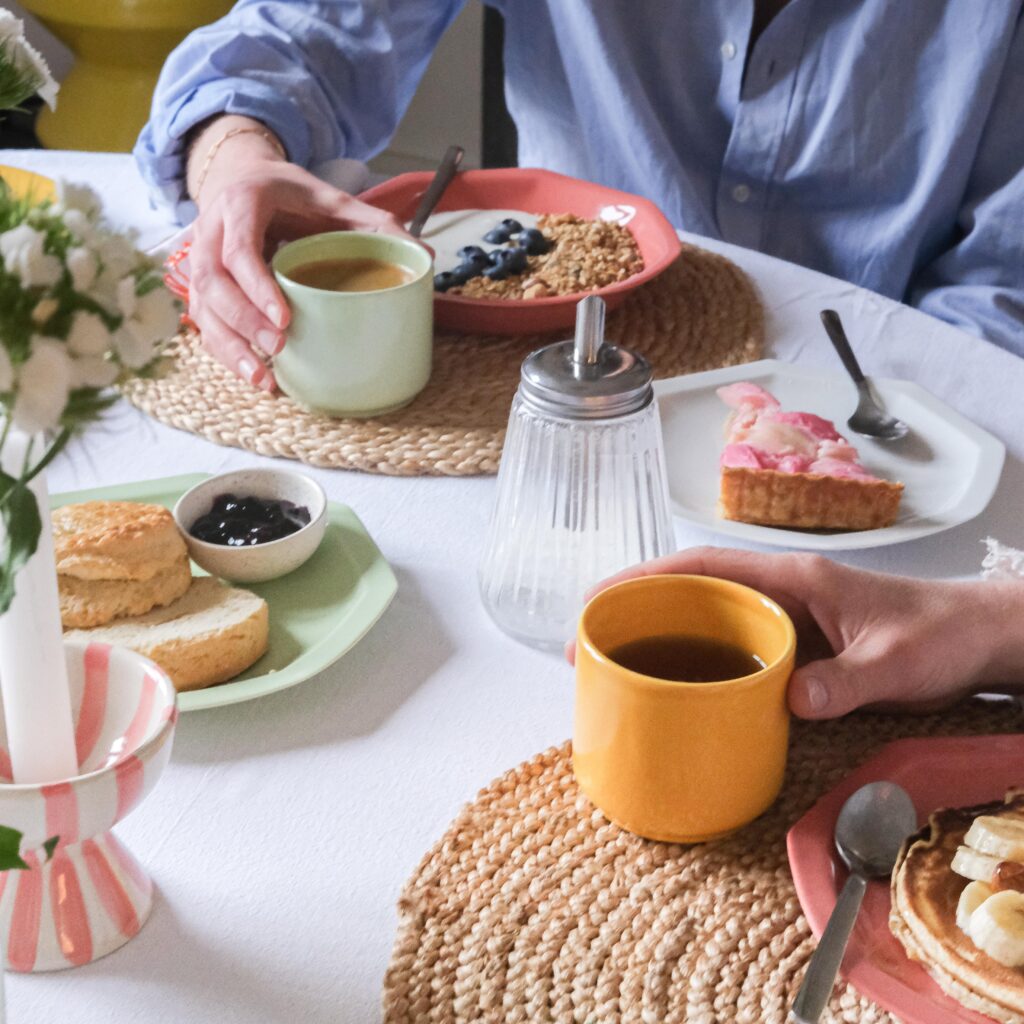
(445, 280)
(466, 271)
(514, 260)
(498, 236)
(513, 226)
(469, 253)
(534, 242)
(495, 257)
(498, 273)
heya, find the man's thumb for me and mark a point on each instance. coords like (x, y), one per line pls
(831, 687)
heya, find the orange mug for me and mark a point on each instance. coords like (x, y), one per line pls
(676, 761)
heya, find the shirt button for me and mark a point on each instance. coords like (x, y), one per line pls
(741, 193)
(728, 50)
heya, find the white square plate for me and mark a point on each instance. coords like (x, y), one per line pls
(950, 466)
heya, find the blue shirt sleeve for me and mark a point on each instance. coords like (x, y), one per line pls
(329, 78)
(978, 282)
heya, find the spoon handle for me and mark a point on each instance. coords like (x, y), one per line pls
(820, 979)
(834, 329)
(442, 178)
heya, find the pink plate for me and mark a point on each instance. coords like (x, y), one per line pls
(533, 191)
(949, 772)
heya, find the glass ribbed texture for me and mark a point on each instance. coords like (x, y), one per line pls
(577, 501)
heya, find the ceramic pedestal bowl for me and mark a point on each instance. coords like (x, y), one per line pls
(119, 47)
(92, 896)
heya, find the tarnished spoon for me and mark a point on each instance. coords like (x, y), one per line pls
(446, 170)
(870, 830)
(869, 419)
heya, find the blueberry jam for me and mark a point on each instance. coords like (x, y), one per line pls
(498, 264)
(241, 522)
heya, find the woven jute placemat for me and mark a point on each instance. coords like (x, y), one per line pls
(533, 908)
(702, 313)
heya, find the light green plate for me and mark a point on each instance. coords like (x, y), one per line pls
(317, 613)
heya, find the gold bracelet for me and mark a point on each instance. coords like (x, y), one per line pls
(230, 134)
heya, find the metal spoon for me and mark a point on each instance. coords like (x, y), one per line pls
(870, 829)
(869, 419)
(446, 170)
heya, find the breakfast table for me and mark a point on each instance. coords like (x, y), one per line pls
(283, 829)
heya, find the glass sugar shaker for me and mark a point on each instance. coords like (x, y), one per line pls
(582, 489)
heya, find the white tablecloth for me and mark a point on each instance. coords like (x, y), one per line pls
(284, 828)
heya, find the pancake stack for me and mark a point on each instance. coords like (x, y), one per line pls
(943, 918)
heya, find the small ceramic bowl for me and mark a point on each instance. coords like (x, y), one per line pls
(259, 562)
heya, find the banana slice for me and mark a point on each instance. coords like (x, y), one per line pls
(997, 927)
(974, 894)
(970, 864)
(998, 837)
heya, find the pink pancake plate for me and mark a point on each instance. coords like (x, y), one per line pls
(946, 772)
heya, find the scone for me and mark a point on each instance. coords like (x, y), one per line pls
(794, 469)
(87, 603)
(208, 636)
(116, 540)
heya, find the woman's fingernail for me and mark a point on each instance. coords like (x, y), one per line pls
(251, 371)
(270, 341)
(817, 695)
(275, 314)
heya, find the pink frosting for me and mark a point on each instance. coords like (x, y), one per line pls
(759, 435)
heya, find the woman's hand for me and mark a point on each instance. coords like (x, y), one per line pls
(250, 198)
(865, 638)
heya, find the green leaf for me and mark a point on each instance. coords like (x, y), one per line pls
(50, 845)
(20, 516)
(10, 850)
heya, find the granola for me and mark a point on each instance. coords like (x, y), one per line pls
(584, 255)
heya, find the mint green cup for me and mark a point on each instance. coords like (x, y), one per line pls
(356, 353)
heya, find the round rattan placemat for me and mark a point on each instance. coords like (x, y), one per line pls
(702, 313)
(533, 908)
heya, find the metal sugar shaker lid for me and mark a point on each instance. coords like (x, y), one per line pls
(585, 378)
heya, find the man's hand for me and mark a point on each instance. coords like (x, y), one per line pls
(866, 638)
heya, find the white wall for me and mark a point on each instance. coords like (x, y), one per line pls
(448, 107)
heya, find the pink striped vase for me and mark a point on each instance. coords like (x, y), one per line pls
(92, 896)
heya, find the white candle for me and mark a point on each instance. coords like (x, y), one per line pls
(33, 673)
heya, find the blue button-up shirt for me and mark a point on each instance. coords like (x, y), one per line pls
(881, 141)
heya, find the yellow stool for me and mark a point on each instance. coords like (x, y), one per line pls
(119, 46)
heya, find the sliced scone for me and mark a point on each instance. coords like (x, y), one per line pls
(208, 636)
(794, 469)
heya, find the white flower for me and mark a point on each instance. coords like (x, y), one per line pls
(153, 318)
(44, 381)
(21, 250)
(77, 197)
(44, 309)
(82, 266)
(93, 372)
(88, 335)
(116, 254)
(26, 58)
(6, 370)
(134, 352)
(79, 225)
(126, 298)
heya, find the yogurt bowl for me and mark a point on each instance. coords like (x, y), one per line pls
(266, 560)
